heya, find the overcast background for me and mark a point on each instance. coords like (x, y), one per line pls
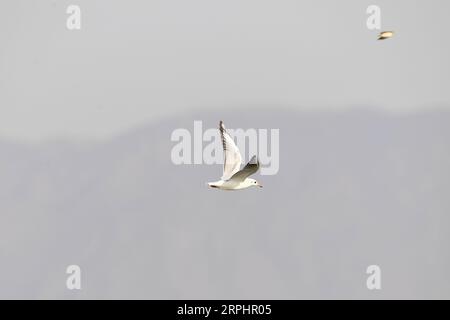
(85, 170)
(135, 61)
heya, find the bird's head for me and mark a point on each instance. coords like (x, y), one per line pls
(254, 183)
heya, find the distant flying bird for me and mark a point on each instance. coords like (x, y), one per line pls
(233, 178)
(385, 35)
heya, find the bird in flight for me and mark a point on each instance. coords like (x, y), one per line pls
(233, 178)
(385, 35)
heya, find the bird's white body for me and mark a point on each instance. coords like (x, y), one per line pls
(233, 178)
(233, 185)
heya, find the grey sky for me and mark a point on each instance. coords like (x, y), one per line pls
(136, 61)
(141, 227)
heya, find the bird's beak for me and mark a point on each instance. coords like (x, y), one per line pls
(259, 185)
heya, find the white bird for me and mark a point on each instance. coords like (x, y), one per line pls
(233, 178)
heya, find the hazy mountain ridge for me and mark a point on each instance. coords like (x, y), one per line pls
(354, 188)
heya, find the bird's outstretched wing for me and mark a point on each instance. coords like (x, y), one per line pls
(250, 168)
(231, 156)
